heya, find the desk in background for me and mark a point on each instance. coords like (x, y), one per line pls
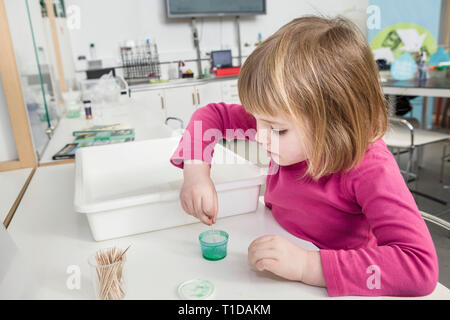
(433, 87)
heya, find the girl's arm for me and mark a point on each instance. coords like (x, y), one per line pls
(313, 274)
(207, 126)
(210, 124)
(404, 262)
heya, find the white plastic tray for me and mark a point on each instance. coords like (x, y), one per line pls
(131, 188)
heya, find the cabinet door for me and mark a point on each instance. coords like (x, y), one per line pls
(230, 91)
(207, 93)
(151, 100)
(181, 102)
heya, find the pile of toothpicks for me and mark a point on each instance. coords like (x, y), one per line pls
(109, 269)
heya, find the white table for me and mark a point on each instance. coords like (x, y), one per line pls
(147, 124)
(11, 183)
(403, 88)
(433, 87)
(53, 237)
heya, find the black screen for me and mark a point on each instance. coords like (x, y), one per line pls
(187, 8)
(222, 59)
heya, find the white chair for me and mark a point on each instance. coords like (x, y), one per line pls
(401, 135)
(445, 157)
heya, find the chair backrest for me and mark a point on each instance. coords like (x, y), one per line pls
(400, 133)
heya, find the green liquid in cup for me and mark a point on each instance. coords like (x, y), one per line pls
(214, 244)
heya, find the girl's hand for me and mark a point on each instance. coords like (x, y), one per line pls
(198, 195)
(280, 256)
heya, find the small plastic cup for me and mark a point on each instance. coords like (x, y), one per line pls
(214, 244)
(109, 281)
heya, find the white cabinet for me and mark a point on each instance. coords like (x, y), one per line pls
(207, 93)
(181, 102)
(153, 99)
(230, 91)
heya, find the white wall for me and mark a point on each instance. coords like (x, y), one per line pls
(21, 33)
(107, 22)
(8, 150)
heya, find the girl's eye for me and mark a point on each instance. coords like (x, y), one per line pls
(279, 132)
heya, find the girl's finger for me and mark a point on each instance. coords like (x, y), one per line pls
(262, 254)
(261, 246)
(208, 206)
(265, 238)
(205, 219)
(190, 207)
(201, 215)
(184, 206)
(198, 207)
(266, 264)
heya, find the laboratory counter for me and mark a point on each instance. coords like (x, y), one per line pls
(147, 85)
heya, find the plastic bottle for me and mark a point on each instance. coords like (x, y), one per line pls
(92, 51)
(423, 67)
(87, 109)
(148, 48)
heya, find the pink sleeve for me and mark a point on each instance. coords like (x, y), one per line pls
(404, 262)
(210, 124)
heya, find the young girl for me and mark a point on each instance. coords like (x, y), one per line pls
(312, 92)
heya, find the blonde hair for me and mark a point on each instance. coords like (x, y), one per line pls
(320, 73)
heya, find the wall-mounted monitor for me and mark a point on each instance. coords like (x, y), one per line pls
(222, 59)
(211, 8)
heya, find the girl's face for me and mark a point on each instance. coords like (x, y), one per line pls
(281, 139)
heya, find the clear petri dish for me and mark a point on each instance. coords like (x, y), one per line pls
(195, 289)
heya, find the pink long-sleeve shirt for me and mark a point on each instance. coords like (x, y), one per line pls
(372, 238)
